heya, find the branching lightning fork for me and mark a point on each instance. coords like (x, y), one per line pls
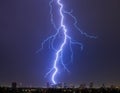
(66, 38)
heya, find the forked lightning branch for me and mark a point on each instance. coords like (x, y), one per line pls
(62, 28)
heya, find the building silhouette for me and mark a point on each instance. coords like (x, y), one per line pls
(14, 85)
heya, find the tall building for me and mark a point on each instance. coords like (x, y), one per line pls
(14, 85)
(48, 85)
(91, 85)
(64, 85)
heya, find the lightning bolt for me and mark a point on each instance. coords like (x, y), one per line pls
(66, 38)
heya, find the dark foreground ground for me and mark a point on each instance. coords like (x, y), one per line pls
(53, 90)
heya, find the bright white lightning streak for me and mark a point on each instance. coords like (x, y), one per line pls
(63, 44)
(62, 27)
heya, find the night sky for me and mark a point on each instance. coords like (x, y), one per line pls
(24, 24)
